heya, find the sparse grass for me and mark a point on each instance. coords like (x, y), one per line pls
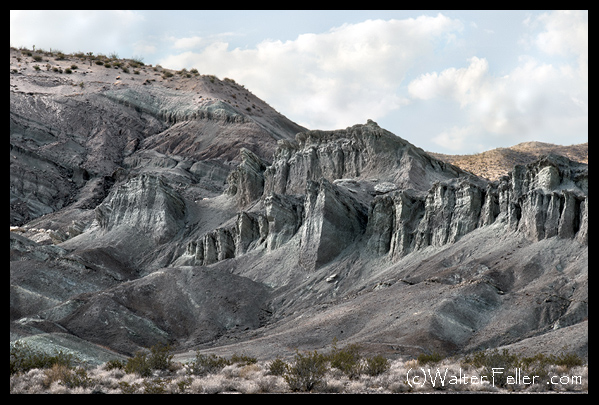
(306, 371)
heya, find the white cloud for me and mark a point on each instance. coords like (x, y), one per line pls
(75, 30)
(464, 85)
(142, 48)
(536, 100)
(457, 139)
(189, 42)
(333, 79)
(423, 78)
(565, 32)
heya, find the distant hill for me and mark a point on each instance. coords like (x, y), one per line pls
(495, 163)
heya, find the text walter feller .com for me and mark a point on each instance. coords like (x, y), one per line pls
(442, 377)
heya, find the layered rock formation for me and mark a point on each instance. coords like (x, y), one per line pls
(145, 203)
(544, 199)
(166, 212)
(548, 198)
(361, 151)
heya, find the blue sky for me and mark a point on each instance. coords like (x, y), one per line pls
(449, 81)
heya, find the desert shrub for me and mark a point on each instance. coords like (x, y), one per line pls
(568, 360)
(143, 363)
(154, 386)
(490, 359)
(115, 364)
(184, 384)
(206, 364)
(277, 367)
(24, 358)
(160, 357)
(434, 357)
(57, 372)
(127, 388)
(243, 360)
(139, 364)
(136, 62)
(67, 377)
(376, 365)
(307, 372)
(268, 383)
(348, 360)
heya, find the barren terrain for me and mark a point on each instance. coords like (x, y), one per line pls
(156, 206)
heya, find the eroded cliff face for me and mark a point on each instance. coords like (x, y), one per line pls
(165, 213)
(145, 203)
(544, 199)
(358, 152)
(326, 216)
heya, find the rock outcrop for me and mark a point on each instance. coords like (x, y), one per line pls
(145, 203)
(333, 221)
(359, 152)
(185, 210)
(246, 182)
(544, 199)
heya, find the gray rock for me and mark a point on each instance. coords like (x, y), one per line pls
(333, 221)
(285, 215)
(146, 203)
(246, 182)
(362, 152)
(166, 213)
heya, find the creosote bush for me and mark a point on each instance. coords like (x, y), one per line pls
(348, 360)
(376, 365)
(143, 363)
(277, 367)
(307, 372)
(206, 364)
(24, 358)
(153, 371)
(68, 377)
(538, 365)
(431, 358)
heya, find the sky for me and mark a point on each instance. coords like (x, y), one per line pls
(448, 81)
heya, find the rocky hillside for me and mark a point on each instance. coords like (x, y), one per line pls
(495, 163)
(171, 207)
